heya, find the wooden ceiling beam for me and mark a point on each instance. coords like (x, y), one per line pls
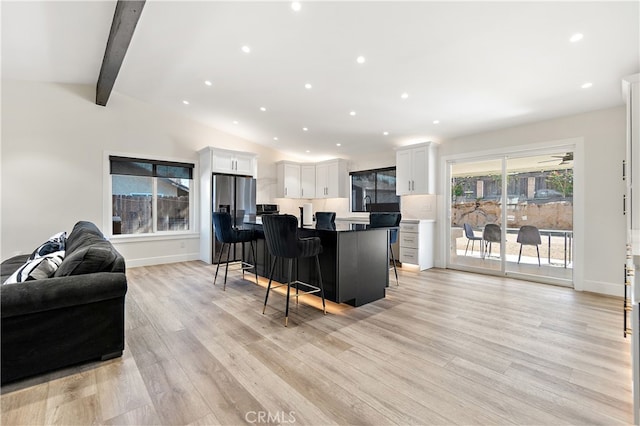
(124, 23)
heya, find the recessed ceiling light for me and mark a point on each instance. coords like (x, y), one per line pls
(308, 86)
(263, 109)
(436, 121)
(235, 122)
(307, 151)
(246, 49)
(586, 85)
(385, 133)
(405, 95)
(208, 83)
(338, 144)
(275, 138)
(576, 37)
(296, 6)
(185, 102)
(361, 59)
(305, 129)
(352, 113)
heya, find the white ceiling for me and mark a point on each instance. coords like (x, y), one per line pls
(474, 66)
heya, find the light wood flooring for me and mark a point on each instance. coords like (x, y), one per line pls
(445, 347)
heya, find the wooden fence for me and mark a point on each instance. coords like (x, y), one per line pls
(132, 214)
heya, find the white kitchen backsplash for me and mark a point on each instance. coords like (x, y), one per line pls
(418, 206)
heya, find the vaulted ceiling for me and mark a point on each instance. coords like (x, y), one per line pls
(463, 67)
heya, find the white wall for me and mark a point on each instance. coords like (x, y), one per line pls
(603, 134)
(54, 138)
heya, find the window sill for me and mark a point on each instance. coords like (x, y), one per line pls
(159, 236)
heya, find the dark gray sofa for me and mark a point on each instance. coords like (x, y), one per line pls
(75, 316)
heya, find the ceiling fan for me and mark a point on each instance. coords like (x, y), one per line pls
(564, 159)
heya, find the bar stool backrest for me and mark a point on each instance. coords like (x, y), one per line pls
(281, 235)
(223, 227)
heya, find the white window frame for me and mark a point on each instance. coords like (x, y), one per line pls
(155, 235)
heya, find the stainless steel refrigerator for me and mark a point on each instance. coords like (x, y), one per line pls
(237, 196)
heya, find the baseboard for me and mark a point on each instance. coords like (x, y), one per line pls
(159, 260)
(602, 287)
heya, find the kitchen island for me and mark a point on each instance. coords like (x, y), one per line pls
(354, 261)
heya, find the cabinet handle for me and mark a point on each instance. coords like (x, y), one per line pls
(624, 204)
(409, 185)
(413, 185)
(302, 192)
(624, 169)
(285, 191)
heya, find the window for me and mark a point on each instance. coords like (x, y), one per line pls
(149, 196)
(374, 191)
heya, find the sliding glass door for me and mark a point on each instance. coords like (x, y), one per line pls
(513, 215)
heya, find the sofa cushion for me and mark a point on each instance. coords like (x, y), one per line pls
(83, 234)
(37, 269)
(97, 257)
(55, 243)
(9, 266)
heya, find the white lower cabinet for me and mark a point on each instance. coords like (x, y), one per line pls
(416, 242)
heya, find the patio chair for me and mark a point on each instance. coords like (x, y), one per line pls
(491, 234)
(471, 238)
(529, 236)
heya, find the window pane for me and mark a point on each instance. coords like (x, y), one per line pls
(363, 185)
(131, 204)
(173, 171)
(131, 168)
(386, 198)
(374, 191)
(173, 204)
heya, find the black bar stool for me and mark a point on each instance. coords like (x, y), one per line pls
(227, 234)
(281, 235)
(386, 220)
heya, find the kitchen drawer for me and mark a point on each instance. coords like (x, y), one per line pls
(409, 227)
(408, 239)
(408, 255)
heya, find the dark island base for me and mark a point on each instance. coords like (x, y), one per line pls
(354, 265)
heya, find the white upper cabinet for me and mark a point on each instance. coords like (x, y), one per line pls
(313, 180)
(331, 177)
(288, 180)
(233, 162)
(415, 169)
(307, 181)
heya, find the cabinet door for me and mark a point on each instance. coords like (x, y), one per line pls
(308, 181)
(333, 180)
(419, 170)
(403, 172)
(223, 162)
(244, 164)
(322, 180)
(291, 181)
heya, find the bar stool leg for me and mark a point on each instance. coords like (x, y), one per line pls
(218, 267)
(324, 308)
(286, 311)
(266, 296)
(226, 268)
(242, 260)
(255, 259)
